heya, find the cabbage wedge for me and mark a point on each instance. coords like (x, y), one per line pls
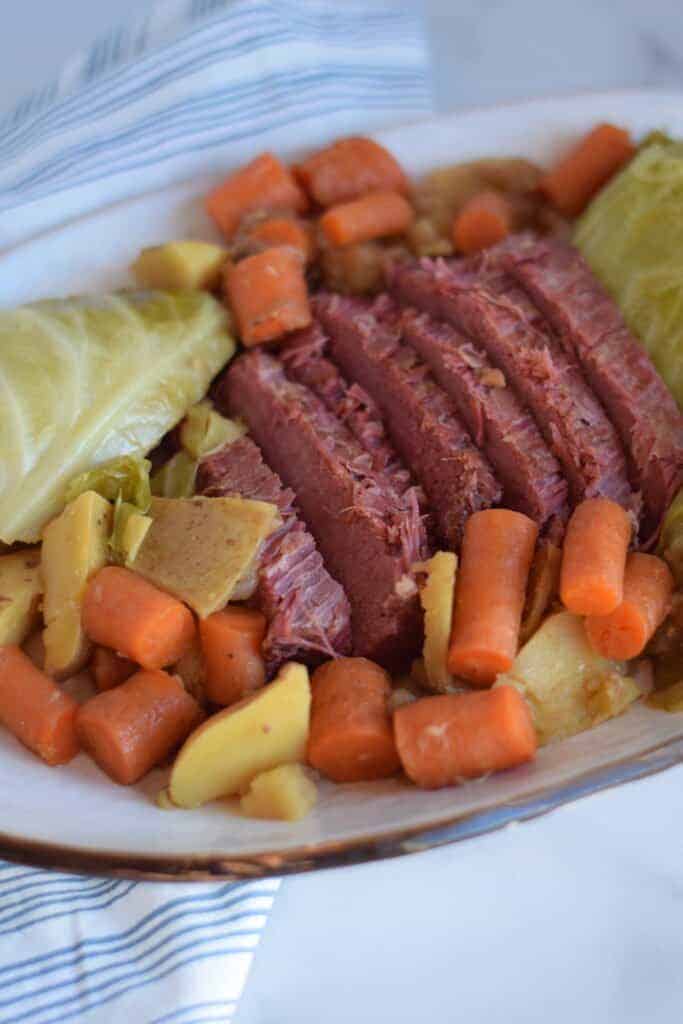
(86, 380)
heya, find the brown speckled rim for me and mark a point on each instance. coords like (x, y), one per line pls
(394, 843)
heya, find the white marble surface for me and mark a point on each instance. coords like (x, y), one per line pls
(577, 916)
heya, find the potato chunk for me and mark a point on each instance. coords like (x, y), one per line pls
(436, 596)
(75, 546)
(20, 590)
(195, 265)
(568, 686)
(198, 549)
(261, 732)
(285, 793)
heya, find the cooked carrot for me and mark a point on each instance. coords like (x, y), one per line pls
(351, 738)
(109, 668)
(443, 740)
(134, 618)
(486, 218)
(35, 709)
(264, 184)
(349, 168)
(267, 293)
(231, 649)
(275, 231)
(375, 215)
(497, 549)
(594, 557)
(135, 726)
(589, 165)
(648, 587)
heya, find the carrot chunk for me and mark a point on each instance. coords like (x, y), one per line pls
(594, 557)
(375, 215)
(264, 184)
(128, 614)
(109, 668)
(497, 549)
(589, 165)
(132, 728)
(350, 738)
(36, 709)
(267, 293)
(276, 231)
(231, 650)
(485, 219)
(624, 633)
(349, 168)
(443, 740)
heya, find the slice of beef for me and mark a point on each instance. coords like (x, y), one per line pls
(422, 421)
(307, 610)
(477, 297)
(344, 502)
(498, 422)
(305, 361)
(588, 321)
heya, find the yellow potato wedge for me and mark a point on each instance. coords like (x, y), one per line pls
(20, 590)
(285, 793)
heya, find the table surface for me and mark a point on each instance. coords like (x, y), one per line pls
(577, 915)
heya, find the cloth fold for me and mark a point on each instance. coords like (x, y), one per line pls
(191, 87)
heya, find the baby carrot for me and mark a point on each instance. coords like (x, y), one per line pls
(624, 633)
(267, 293)
(485, 219)
(443, 740)
(263, 184)
(497, 549)
(133, 727)
(375, 215)
(123, 611)
(349, 168)
(275, 231)
(350, 738)
(594, 557)
(36, 709)
(231, 649)
(589, 165)
(109, 668)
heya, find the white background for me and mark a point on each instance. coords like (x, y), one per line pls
(578, 916)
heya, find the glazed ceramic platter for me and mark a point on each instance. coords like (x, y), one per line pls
(73, 817)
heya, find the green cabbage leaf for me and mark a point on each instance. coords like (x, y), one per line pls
(85, 381)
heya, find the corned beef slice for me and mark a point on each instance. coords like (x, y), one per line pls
(341, 499)
(499, 424)
(479, 299)
(305, 362)
(308, 612)
(619, 370)
(420, 418)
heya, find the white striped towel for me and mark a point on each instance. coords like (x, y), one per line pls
(194, 86)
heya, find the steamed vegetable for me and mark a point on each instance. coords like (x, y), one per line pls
(485, 219)
(671, 542)
(204, 430)
(20, 590)
(581, 172)
(436, 597)
(375, 215)
(231, 641)
(623, 634)
(268, 295)
(594, 557)
(568, 686)
(176, 478)
(125, 481)
(83, 381)
(263, 184)
(180, 265)
(632, 235)
(35, 708)
(285, 793)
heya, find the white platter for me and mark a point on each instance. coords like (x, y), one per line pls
(75, 818)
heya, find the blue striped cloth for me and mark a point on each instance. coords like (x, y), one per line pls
(194, 86)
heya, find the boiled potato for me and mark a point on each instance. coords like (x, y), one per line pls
(198, 549)
(542, 589)
(285, 793)
(180, 265)
(568, 686)
(75, 546)
(263, 731)
(20, 590)
(436, 597)
(134, 532)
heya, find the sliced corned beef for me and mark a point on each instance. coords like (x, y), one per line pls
(484, 302)
(422, 421)
(588, 321)
(498, 422)
(343, 501)
(305, 361)
(307, 610)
